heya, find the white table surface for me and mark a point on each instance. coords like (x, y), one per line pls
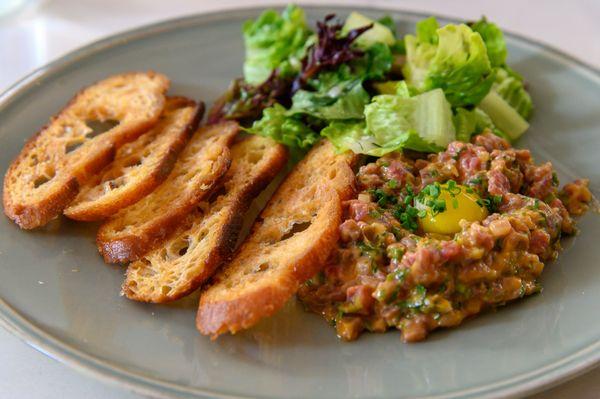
(46, 29)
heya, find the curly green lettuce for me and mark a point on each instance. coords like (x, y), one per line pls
(494, 41)
(343, 100)
(453, 58)
(275, 41)
(510, 87)
(284, 128)
(470, 122)
(508, 104)
(339, 94)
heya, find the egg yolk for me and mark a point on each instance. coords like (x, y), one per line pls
(442, 212)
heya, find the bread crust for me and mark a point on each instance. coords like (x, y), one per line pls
(139, 228)
(46, 175)
(244, 311)
(166, 140)
(163, 275)
(311, 194)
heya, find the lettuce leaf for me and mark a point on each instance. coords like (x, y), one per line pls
(376, 63)
(426, 30)
(420, 50)
(460, 66)
(379, 33)
(389, 23)
(510, 87)
(397, 87)
(470, 122)
(339, 94)
(392, 122)
(508, 104)
(343, 100)
(505, 117)
(453, 58)
(494, 41)
(286, 129)
(274, 40)
(428, 114)
(353, 135)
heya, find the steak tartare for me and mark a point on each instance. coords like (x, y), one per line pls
(431, 241)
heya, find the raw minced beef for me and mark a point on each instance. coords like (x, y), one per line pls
(388, 273)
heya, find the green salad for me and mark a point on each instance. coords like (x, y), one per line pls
(369, 89)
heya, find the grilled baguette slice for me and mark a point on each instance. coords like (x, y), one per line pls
(288, 244)
(140, 166)
(190, 257)
(137, 229)
(65, 154)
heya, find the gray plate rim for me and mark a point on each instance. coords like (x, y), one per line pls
(534, 381)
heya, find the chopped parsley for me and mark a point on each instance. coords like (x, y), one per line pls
(381, 197)
(475, 181)
(417, 299)
(369, 250)
(375, 214)
(395, 253)
(405, 211)
(555, 181)
(453, 188)
(454, 203)
(407, 216)
(432, 190)
(492, 203)
(398, 275)
(429, 197)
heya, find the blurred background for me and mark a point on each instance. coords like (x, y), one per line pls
(35, 32)
(38, 31)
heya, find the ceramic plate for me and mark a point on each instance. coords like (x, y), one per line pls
(56, 293)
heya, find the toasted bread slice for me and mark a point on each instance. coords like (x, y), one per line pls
(65, 154)
(181, 264)
(137, 229)
(140, 166)
(288, 244)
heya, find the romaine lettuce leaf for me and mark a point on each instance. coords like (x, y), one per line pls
(379, 33)
(428, 114)
(397, 87)
(286, 129)
(353, 135)
(470, 122)
(454, 58)
(420, 50)
(426, 30)
(376, 63)
(494, 41)
(510, 87)
(505, 117)
(273, 41)
(460, 66)
(389, 23)
(508, 104)
(350, 135)
(392, 122)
